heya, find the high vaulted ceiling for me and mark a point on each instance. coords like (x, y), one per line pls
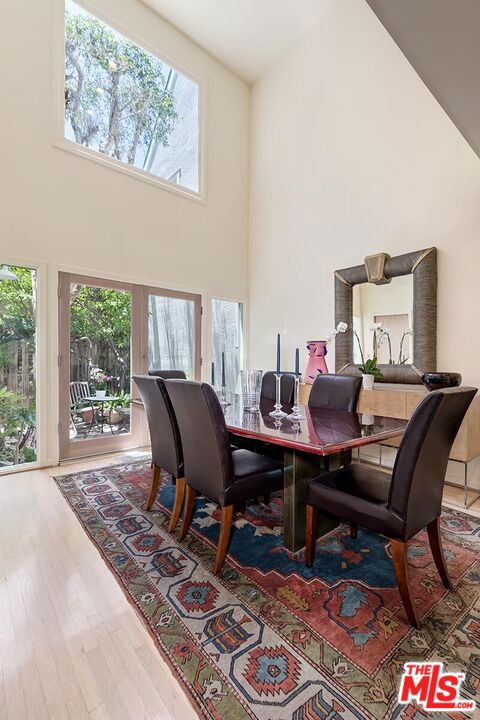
(247, 36)
(441, 39)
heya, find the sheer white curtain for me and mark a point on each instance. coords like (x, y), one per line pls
(227, 337)
(171, 334)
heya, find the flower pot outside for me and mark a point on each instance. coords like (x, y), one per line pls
(367, 382)
(100, 394)
(115, 417)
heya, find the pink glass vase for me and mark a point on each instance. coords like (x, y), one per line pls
(317, 349)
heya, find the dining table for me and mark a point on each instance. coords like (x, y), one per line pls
(309, 447)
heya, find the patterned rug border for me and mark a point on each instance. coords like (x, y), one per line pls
(173, 666)
(195, 700)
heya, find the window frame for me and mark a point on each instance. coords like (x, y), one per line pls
(61, 142)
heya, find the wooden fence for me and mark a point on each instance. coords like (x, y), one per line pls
(85, 355)
(17, 369)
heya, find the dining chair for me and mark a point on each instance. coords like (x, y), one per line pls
(400, 505)
(226, 477)
(165, 440)
(268, 390)
(168, 374)
(336, 392)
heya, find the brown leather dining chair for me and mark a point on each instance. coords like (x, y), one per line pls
(269, 388)
(211, 468)
(165, 440)
(336, 392)
(168, 374)
(400, 505)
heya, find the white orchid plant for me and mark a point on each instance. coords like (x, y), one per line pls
(381, 334)
(342, 327)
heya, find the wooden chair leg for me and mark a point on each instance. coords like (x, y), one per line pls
(400, 565)
(180, 486)
(223, 540)
(353, 530)
(310, 532)
(435, 540)
(154, 487)
(187, 511)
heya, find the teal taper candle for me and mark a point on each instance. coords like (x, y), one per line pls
(278, 354)
(213, 374)
(223, 369)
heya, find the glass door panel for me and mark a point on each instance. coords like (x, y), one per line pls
(18, 327)
(96, 331)
(227, 337)
(173, 333)
(100, 349)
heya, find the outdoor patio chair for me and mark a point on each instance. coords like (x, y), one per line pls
(79, 405)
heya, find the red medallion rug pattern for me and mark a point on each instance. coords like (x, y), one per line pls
(270, 639)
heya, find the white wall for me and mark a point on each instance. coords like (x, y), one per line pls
(63, 210)
(352, 155)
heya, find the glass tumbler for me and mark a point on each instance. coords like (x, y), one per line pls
(251, 387)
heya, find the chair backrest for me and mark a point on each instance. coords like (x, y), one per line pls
(337, 392)
(79, 390)
(287, 386)
(162, 424)
(421, 463)
(206, 446)
(168, 374)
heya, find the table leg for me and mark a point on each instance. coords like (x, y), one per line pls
(300, 468)
(92, 421)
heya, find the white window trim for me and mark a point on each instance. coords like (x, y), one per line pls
(58, 73)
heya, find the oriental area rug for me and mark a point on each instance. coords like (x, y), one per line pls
(270, 639)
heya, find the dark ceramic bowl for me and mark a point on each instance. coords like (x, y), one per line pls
(439, 380)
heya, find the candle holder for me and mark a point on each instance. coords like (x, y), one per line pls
(296, 413)
(223, 397)
(278, 412)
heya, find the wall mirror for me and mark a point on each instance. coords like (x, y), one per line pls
(399, 292)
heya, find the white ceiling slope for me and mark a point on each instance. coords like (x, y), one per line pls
(247, 36)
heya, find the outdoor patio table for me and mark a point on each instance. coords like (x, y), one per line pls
(94, 400)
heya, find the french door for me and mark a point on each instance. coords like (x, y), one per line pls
(109, 331)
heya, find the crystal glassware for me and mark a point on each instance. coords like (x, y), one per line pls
(278, 412)
(296, 413)
(251, 388)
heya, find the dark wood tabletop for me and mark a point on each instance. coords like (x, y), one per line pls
(323, 432)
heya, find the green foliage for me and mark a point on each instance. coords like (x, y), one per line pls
(101, 315)
(17, 312)
(122, 401)
(17, 330)
(115, 96)
(369, 367)
(16, 425)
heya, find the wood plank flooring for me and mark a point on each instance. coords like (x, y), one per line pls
(71, 646)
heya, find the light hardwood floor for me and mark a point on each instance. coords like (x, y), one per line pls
(71, 646)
